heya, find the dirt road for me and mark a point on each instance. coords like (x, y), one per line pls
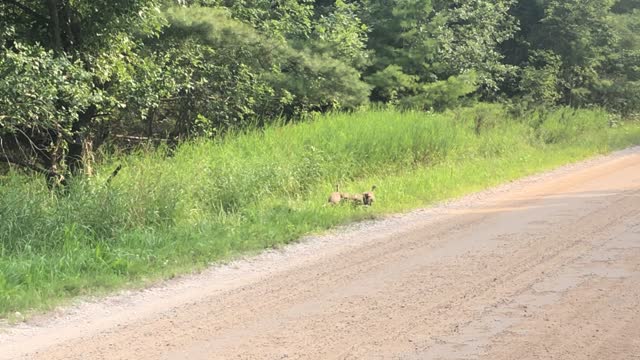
(544, 268)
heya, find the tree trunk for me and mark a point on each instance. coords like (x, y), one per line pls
(150, 119)
(75, 155)
(52, 159)
(54, 24)
(71, 32)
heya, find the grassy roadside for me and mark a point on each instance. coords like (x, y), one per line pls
(212, 200)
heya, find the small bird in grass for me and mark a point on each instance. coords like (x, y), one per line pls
(369, 197)
(357, 199)
(366, 198)
(336, 196)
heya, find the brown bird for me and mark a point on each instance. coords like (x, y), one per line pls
(356, 199)
(335, 197)
(369, 197)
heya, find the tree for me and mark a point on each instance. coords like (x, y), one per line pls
(578, 31)
(471, 39)
(281, 19)
(578, 53)
(432, 41)
(339, 32)
(625, 6)
(65, 65)
(620, 88)
(229, 75)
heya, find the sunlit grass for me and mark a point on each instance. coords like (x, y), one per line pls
(211, 200)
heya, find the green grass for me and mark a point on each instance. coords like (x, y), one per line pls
(212, 200)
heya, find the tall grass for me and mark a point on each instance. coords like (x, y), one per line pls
(171, 212)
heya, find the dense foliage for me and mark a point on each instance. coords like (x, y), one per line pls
(75, 75)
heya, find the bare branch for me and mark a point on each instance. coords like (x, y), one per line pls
(33, 145)
(15, 138)
(138, 138)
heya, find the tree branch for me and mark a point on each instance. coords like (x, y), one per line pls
(138, 138)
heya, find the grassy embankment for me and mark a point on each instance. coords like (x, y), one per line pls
(212, 200)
